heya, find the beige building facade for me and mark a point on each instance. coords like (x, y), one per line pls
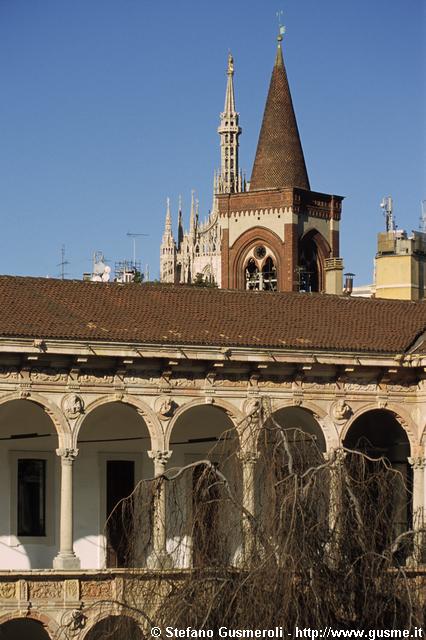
(400, 265)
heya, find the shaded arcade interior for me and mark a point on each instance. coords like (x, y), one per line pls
(379, 435)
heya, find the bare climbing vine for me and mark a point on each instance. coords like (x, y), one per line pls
(316, 545)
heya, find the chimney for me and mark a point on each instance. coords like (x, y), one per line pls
(349, 283)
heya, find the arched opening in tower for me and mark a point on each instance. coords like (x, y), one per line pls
(261, 270)
(308, 271)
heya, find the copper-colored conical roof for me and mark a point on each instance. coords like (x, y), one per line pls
(279, 160)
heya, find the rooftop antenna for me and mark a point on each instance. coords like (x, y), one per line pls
(134, 236)
(63, 263)
(423, 217)
(387, 206)
(101, 271)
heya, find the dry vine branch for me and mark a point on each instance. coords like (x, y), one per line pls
(324, 548)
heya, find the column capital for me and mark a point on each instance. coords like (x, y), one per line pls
(67, 455)
(159, 456)
(417, 462)
(248, 457)
(335, 456)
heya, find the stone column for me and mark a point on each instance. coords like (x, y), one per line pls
(160, 557)
(418, 464)
(66, 558)
(336, 457)
(248, 462)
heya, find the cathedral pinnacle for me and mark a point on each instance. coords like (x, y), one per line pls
(229, 131)
(168, 224)
(192, 214)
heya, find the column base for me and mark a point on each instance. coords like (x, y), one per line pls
(66, 562)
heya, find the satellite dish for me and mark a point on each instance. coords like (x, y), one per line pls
(99, 268)
(101, 271)
(106, 274)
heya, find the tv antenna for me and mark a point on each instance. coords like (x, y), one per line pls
(134, 236)
(423, 217)
(63, 263)
(387, 206)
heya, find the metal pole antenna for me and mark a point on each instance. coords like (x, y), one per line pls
(134, 236)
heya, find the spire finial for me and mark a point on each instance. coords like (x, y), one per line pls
(281, 27)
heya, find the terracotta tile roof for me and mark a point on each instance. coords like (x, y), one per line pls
(279, 160)
(168, 314)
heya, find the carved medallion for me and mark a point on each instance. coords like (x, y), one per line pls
(340, 410)
(72, 406)
(7, 590)
(165, 407)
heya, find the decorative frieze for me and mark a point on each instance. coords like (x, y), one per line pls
(9, 373)
(95, 377)
(95, 589)
(45, 590)
(49, 375)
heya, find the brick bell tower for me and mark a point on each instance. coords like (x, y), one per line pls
(280, 235)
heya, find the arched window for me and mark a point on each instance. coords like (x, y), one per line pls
(261, 270)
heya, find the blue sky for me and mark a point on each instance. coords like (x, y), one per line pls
(109, 106)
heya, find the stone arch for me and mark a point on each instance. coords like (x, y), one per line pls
(244, 244)
(55, 414)
(113, 438)
(203, 437)
(235, 415)
(403, 418)
(422, 439)
(313, 242)
(144, 410)
(315, 411)
(49, 625)
(104, 626)
(383, 436)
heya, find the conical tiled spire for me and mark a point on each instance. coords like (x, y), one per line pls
(279, 160)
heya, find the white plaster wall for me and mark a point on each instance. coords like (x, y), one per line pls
(108, 422)
(20, 417)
